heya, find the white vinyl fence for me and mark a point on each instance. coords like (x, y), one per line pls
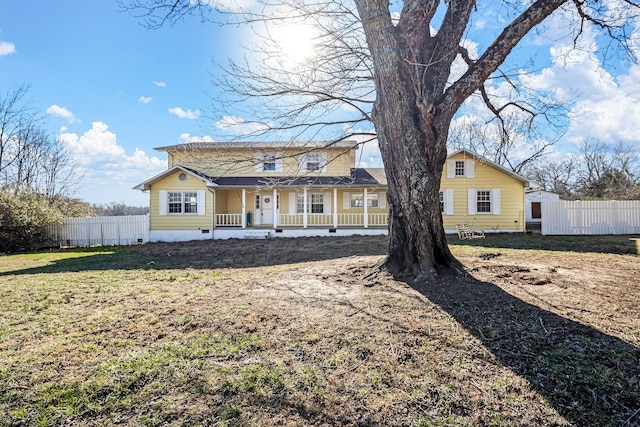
(101, 231)
(564, 217)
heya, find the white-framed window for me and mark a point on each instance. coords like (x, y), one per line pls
(317, 203)
(460, 168)
(173, 202)
(269, 163)
(484, 201)
(183, 202)
(356, 200)
(299, 203)
(352, 200)
(313, 162)
(257, 201)
(446, 201)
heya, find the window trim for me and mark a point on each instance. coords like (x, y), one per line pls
(371, 197)
(164, 200)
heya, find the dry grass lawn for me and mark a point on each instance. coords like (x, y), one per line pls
(540, 331)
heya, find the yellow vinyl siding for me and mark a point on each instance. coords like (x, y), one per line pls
(485, 177)
(179, 221)
(242, 163)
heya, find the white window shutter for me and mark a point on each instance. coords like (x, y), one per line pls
(495, 201)
(259, 164)
(292, 203)
(326, 199)
(469, 167)
(201, 200)
(451, 168)
(382, 199)
(163, 202)
(448, 201)
(346, 200)
(279, 163)
(472, 200)
(302, 162)
(323, 162)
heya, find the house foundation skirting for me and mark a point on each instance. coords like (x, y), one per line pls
(179, 235)
(258, 233)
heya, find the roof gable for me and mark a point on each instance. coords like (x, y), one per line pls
(488, 162)
(146, 185)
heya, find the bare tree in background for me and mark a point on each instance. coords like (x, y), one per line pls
(30, 158)
(415, 92)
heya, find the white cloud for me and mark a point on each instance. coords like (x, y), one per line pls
(185, 137)
(160, 83)
(58, 111)
(110, 173)
(239, 126)
(145, 99)
(7, 48)
(185, 114)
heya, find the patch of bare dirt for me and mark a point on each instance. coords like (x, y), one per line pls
(567, 324)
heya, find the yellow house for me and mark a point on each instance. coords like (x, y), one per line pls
(481, 193)
(261, 189)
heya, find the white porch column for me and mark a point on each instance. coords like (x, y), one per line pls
(276, 211)
(335, 208)
(366, 210)
(244, 208)
(304, 210)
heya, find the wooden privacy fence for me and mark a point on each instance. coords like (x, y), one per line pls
(564, 217)
(101, 231)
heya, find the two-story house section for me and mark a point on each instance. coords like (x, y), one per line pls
(481, 193)
(226, 190)
(254, 189)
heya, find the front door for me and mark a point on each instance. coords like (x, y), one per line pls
(266, 211)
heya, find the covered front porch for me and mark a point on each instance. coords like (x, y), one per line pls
(300, 208)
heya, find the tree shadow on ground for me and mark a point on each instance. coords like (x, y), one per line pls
(618, 244)
(211, 254)
(590, 378)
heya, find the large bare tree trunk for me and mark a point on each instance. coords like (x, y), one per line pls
(412, 131)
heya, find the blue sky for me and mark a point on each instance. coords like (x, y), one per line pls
(112, 90)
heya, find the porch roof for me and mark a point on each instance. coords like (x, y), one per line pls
(360, 177)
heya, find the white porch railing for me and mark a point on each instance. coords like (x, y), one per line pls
(344, 220)
(356, 219)
(229, 220)
(320, 219)
(378, 219)
(288, 220)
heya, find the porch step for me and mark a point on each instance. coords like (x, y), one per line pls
(257, 234)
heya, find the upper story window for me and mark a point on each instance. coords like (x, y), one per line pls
(269, 163)
(313, 162)
(183, 202)
(460, 168)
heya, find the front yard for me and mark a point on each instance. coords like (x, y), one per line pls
(540, 331)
